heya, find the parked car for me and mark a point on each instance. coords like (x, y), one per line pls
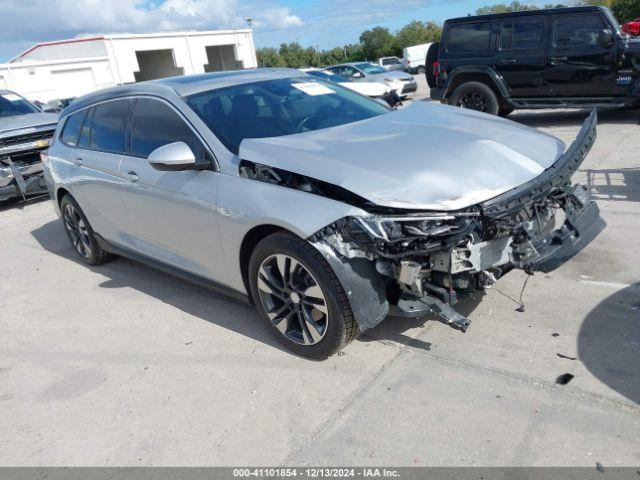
(632, 28)
(401, 83)
(390, 63)
(565, 57)
(413, 58)
(322, 207)
(370, 89)
(24, 132)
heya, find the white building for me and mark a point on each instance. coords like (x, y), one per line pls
(70, 68)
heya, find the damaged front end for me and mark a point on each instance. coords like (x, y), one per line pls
(418, 263)
(21, 169)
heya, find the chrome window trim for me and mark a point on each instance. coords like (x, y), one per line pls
(215, 164)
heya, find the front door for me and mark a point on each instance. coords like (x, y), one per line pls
(521, 57)
(579, 65)
(173, 214)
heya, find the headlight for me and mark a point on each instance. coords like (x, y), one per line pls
(391, 229)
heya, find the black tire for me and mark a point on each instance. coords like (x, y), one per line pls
(505, 111)
(340, 327)
(475, 96)
(432, 56)
(421, 70)
(81, 234)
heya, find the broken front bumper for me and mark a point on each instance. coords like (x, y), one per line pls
(20, 180)
(579, 229)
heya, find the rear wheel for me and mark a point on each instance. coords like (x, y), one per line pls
(475, 96)
(421, 70)
(80, 233)
(299, 297)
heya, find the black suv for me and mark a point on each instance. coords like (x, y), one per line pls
(565, 57)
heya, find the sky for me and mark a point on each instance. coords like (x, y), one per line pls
(317, 23)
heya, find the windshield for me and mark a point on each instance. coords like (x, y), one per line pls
(12, 104)
(273, 108)
(369, 68)
(329, 76)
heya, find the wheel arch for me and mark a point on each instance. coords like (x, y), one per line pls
(486, 75)
(251, 239)
(61, 192)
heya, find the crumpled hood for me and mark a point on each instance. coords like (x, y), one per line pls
(20, 122)
(426, 156)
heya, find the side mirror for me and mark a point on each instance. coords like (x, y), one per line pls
(172, 157)
(605, 37)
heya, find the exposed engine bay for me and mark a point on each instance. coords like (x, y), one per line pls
(420, 262)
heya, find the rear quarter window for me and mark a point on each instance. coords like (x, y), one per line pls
(71, 130)
(472, 37)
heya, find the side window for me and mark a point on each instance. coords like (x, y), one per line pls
(156, 124)
(577, 30)
(521, 34)
(387, 61)
(85, 132)
(71, 131)
(469, 37)
(347, 72)
(108, 126)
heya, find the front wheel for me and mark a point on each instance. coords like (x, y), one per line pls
(299, 297)
(475, 96)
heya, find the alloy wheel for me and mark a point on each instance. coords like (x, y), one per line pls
(472, 101)
(292, 299)
(77, 230)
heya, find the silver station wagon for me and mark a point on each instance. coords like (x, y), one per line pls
(325, 209)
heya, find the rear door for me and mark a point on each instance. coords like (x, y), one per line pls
(521, 55)
(173, 214)
(95, 157)
(579, 66)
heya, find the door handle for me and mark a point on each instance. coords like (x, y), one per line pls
(132, 176)
(78, 161)
(558, 60)
(507, 61)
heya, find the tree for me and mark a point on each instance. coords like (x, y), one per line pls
(416, 33)
(626, 10)
(514, 6)
(292, 55)
(597, 3)
(376, 43)
(268, 57)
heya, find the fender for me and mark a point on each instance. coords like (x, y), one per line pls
(496, 78)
